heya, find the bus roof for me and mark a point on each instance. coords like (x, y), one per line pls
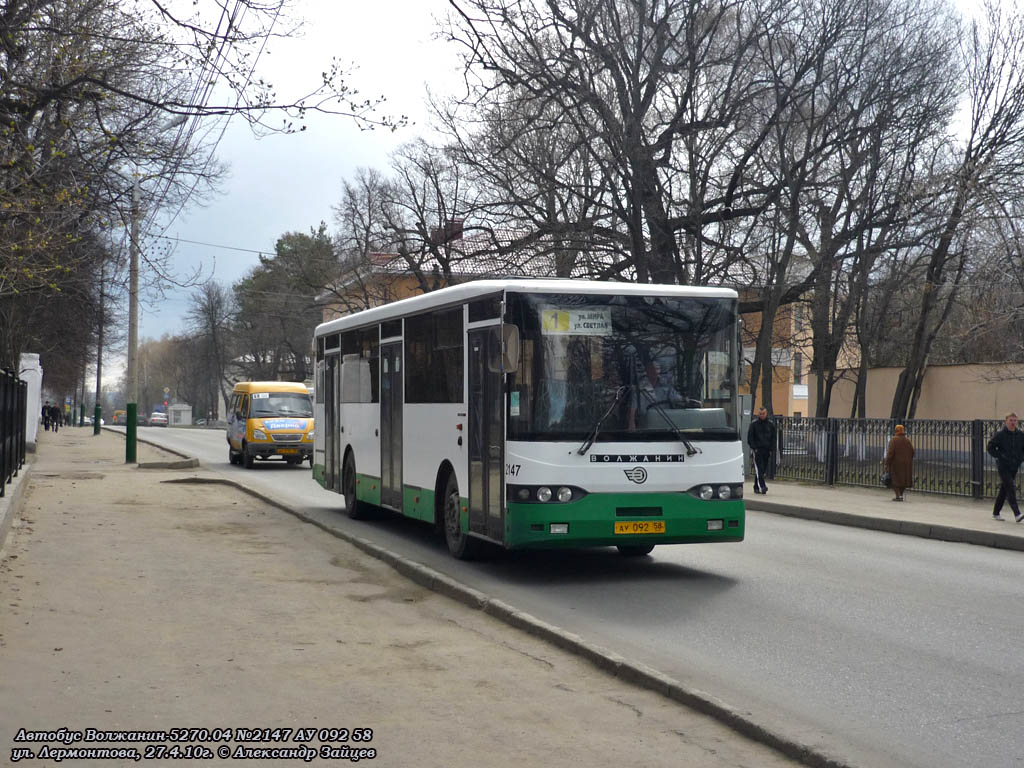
(471, 290)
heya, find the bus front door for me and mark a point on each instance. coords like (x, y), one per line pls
(391, 425)
(486, 434)
(330, 427)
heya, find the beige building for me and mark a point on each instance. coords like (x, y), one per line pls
(790, 359)
(948, 392)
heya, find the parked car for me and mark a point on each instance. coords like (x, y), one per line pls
(158, 419)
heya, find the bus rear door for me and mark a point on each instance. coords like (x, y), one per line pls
(391, 425)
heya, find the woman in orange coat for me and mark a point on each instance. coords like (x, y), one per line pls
(899, 462)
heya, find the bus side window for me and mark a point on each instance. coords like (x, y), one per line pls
(243, 407)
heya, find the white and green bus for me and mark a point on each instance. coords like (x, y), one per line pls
(538, 413)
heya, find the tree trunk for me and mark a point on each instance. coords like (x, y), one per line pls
(860, 396)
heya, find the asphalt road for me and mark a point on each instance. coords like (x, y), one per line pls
(883, 649)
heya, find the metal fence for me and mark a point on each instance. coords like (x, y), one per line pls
(949, 456)
(13, 402)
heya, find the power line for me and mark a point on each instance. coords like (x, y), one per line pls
(211, 245)
(227, 120)
(203, 88)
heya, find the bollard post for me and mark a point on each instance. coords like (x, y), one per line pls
(978, 458)
(130, 433)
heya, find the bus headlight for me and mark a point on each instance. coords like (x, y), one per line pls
(523, 494)
(543, 493)
(564, 494)
(724, 492)
(311, 434)
(707, 492)
(259, 434)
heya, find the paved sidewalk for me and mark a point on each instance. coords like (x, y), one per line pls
(150, 599)
(949, 518)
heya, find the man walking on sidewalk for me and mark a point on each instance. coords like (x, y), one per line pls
(1007, 447)
(761, 440)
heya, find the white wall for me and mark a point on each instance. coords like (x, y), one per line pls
(31, 373)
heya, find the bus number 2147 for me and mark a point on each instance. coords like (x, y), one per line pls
(512, 469)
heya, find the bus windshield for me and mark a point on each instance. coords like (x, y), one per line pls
(643, 367)
(268, 404)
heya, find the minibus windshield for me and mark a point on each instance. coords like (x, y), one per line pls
(268, 404)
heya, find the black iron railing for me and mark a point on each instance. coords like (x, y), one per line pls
(13, 402)
(950, 457)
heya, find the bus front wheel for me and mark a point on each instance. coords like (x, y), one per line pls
(461, 545)
(636, 550)
(353, 507)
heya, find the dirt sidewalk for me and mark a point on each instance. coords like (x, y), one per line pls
(133, 602)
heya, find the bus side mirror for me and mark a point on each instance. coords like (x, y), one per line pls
(509, 347)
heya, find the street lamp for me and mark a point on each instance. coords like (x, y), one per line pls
(131, 430)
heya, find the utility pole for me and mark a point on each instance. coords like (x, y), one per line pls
(133, 332)
(132, 405)
(98, 409)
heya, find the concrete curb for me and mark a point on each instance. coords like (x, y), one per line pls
(183, 464)
(637, 674)
(155, 445)
(10, 503)
(905, 527)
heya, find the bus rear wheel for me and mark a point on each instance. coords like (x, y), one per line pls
(635, 550)
(461, 545)
(353, 507)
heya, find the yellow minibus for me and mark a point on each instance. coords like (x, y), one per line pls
(270, 419)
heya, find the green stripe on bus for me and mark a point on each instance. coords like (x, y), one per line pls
(418, 503)
(320, 474)
(368, 489)
(592, 520)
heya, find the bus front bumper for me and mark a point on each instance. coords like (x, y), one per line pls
(610, 519)
(284, 450)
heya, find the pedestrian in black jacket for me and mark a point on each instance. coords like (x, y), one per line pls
(761, 440)
(1007, 447)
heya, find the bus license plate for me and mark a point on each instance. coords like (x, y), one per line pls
(640, 526)
(287, 450)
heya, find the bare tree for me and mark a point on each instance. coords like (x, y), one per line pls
(633, 80)
(209, 321)
(979, 166)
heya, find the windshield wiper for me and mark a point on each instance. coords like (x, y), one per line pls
(691, 450)
(597, 427)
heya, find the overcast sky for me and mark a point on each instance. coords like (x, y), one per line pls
(286, 183)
